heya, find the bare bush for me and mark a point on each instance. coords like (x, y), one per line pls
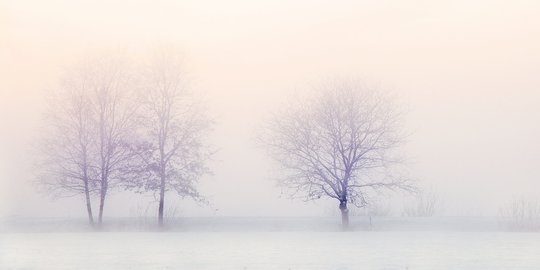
(522, 214)
(426, 204)
(376, 208)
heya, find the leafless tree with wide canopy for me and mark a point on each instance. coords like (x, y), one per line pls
(339, 144)
(172, 129)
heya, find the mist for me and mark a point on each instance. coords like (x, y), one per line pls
(469, 80)
(465, 74)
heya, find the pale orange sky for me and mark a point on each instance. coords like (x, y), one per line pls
(468, 71)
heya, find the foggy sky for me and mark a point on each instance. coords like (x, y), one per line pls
(468, 72)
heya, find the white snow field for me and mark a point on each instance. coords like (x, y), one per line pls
(270, 250)
(296, 248)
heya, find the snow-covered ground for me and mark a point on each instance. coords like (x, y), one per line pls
(270, 249)
(262, 224)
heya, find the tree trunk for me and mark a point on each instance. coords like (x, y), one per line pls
(344, 215)
(161, 201)
(101, 205)
(103, 193)
(88, 204)
(86, 189)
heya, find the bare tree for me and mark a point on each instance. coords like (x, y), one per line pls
(338, 145)
(67, 143)
(172, 149)
(88, 148)
(109, 86)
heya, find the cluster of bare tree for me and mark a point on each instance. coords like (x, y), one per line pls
(109, 127)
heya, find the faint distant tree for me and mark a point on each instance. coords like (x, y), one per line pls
(171, 149)
(424, 204)
(338, 144)
(522, 214)
(90, 124)
(66, 145)
(110, 87)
